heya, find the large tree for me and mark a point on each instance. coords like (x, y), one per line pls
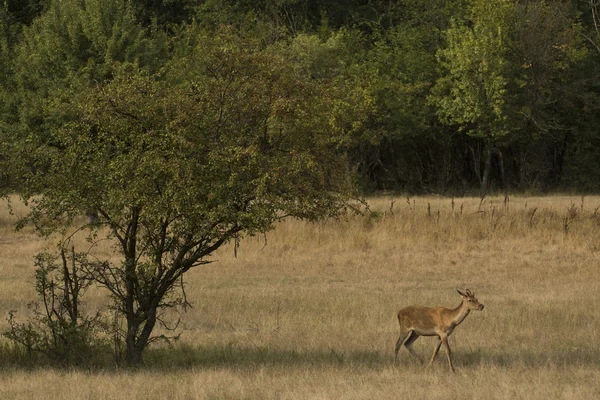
(474, 94)
(226, 141)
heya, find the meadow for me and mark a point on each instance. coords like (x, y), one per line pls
(309, 310)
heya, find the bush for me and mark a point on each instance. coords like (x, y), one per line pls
(59, 331)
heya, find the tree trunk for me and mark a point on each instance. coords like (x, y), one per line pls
(476, 163)
(133, 354)
(136, 340)
(486, 172)
(138, 336)
(502, 175)
(559, 159)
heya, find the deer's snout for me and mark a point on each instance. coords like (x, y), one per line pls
(480, 307)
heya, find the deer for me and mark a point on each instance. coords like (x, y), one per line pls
(418, 321)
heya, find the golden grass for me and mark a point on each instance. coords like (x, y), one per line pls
(311, 314)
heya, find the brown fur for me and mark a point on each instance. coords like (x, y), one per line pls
(418, 321)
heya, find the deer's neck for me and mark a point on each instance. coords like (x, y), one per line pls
(460, 313)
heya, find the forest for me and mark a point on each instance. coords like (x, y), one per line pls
(454, 97)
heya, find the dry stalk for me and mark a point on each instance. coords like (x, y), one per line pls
(531, 217)
(497, 221)
(482, 212)
(572, 212)
(566, 223)
(596, 216)
(569, 218)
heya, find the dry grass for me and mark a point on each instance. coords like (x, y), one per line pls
(311, 314)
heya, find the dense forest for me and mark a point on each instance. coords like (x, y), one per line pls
(440, 96)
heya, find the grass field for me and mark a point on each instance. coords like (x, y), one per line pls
(310, 313)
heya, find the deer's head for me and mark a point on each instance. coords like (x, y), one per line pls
(470, 300)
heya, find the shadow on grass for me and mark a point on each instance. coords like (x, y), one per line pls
(183, 356)
(232, 356)
(240, 357)
(570, 357)
(237, 357)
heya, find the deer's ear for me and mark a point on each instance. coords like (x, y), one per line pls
(461, 293)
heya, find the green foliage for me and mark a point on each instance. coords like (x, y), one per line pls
(70, 47)
(333, 66)
(74, 35)
(548, 50)
(22, 12)
(76, 44)
(473, 93)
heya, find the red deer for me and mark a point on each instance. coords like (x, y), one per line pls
(418, 321)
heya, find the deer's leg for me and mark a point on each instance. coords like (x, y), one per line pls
(408, 344)
(404, 335)
(448, 352)
(435, 351)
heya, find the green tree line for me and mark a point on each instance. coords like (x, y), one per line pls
(449, 96)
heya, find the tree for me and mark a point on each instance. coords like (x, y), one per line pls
(71, 46)
(8, 33)
(225, 142)
(473, 94)
(403, 69)
(551, 84)
(76, 43)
